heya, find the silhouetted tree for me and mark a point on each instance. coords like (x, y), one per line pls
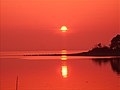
(99, 45)
(115, 43)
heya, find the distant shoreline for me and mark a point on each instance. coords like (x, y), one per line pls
(74, 54)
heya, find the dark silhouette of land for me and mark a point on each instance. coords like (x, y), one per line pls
(112, 50)
(115, 63)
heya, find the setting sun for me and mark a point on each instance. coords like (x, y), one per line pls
(63, 29)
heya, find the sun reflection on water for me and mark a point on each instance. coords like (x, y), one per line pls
(63, 57)
(64, 51)
(64, 71)
(64, 68)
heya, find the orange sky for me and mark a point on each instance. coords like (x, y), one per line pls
(35, 24)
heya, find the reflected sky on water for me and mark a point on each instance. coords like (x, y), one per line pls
(60, 73)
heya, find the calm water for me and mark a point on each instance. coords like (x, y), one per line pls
(59, 73)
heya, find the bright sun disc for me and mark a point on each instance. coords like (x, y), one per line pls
(63, 29)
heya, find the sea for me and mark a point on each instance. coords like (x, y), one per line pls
(20, 72)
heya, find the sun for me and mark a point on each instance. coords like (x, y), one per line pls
(63, 29)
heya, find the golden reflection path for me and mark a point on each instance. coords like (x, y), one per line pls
(64, 71)
(64, 68)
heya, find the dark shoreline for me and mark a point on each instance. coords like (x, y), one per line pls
(75, 54)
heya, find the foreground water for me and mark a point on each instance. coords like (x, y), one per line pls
(59, 73)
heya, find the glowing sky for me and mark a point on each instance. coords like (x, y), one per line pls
(35, 24)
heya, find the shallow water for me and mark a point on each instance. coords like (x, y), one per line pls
(59, 73)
